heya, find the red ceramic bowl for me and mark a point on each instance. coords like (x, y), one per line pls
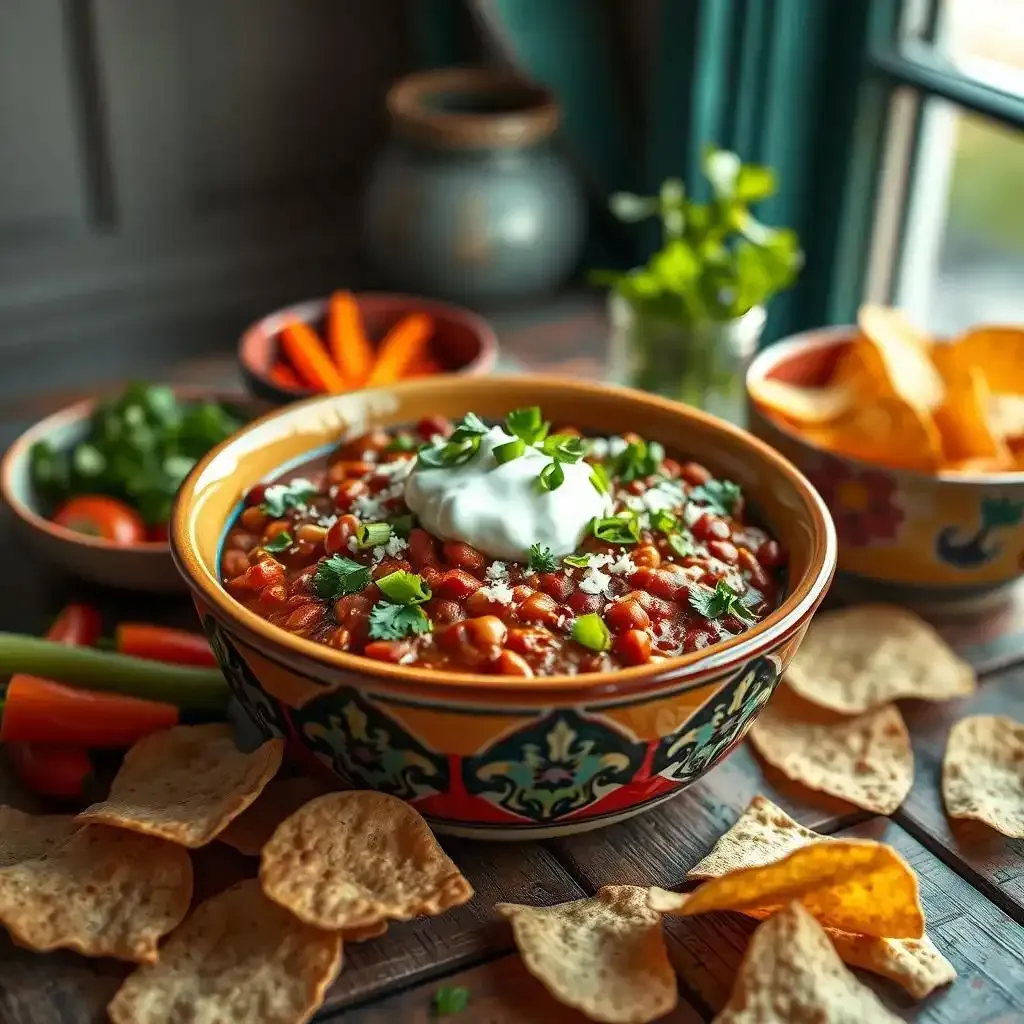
(462, 342)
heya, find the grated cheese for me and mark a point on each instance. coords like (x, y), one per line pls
(497, 571)
(500, 593)
(595, 582)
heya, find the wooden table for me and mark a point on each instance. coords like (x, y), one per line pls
(972, 880)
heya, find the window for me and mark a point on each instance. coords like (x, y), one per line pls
(948, 240)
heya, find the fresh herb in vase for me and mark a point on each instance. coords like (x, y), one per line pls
(685, 324)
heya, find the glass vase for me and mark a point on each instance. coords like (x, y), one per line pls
(700, 365)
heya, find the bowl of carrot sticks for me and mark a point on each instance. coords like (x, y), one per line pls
(355, 340)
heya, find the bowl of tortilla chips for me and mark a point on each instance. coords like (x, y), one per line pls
(915, 443)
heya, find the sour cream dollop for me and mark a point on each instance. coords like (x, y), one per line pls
(499, 508)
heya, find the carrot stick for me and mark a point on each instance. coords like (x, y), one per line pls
(350, 348)
(284, 377)
(309, 358)
(401, 345)
(38, 711)
(162, 643)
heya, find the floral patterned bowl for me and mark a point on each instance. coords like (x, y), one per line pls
(488, 755)
(936, 540)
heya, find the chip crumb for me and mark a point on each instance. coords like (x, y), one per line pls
(791, 972)
(983, 773)
(604, 955)
(239, 958)
(866, 760)
(353, 859)
(27, 836)
(100, 892)
(185, 784)
(855, 659)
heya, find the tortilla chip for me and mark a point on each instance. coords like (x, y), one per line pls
(854, 885)
(905, 351)
(791, 972)
(999, 353)
(281, 798)
(238, 958)
(799, 404)
(102, 892)
(983, 772)
(1005, 414)
(867, 760)
(27, 836)
(185, 784)
(350, 860)
(370, 931)
(604, 955)
(963, 418)
(763, 834)
(858, 658)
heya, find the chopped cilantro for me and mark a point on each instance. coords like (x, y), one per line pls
(450, 1000)
(337, 576)
(577, 561)
(404, 587)
(714, 604)
(395, 621)
(277, 544)
(682, 543)
(720, 496)
(401, 526)
(543, 559)
(620, 529)
(281, 497)
(664, 521)
(639, 459)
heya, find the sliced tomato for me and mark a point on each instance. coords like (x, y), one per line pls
(99, 516)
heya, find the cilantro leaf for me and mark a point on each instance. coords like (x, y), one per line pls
(395, 621)
(638, 460)
(714, 604)
(681, 542)
(621, 529)
(278, 543)
(338, 575)
(281, 497)
(450, 1000)
(721, 496)
(543, 559)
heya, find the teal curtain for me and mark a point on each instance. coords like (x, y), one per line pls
(778, 81)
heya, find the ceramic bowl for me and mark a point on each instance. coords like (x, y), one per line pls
(926, 540)
(141, 567)
(484, 755)
(462, 341)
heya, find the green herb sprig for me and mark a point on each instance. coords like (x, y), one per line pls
(714, 604)
(721, 496)
(543, 559)
(336, 576)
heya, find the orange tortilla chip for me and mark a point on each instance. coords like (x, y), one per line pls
(186, 784)
(963, 418)
(867, 760)
(604, 955)
(999, 353)
(101, 892)
(791, 973)
(27, 836)
(802, 405)
(237, 958)
(351, 860)
(281, 798)
(764, 833)
(853, 885)
(983, 772)
(905, 353)
(858, 658)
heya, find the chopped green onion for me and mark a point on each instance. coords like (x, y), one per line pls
(682, 543)
(509, 451)
(527, 424)
(590, 631)
(372, 535)
(599, 478)
(639, 459)
(577, 561)
(664, 521)
(336, 576)
(404, 588)
(551, 477)
(402, 526)
(564, 447)
(277, 544)
(401, 443)
(620, 529)
(542, 559)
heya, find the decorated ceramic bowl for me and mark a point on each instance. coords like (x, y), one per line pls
(918, 539)
(488, 755)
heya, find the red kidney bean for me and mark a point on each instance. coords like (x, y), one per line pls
(254, 519)
(339, 533)
(529, 640)
(388, 650)
(352, 609)
(557, 584)
(710, 527)
(234, 563)
(457, 584)
(582, 603)
(340, 639)
(463, 556)
(305, 618)
(771, 555)
(724, 551)
(626, 614)
(422, 549)
(431, 425)
(346, 493)
(646, 556)
(386, 566)
(486, 631)
(694, 473)
(696, 638)
(256, 495)
(432, 576)
(509, 663)
(347, 469)
(656, 607)
(633, 647)
(273, 597)
(443, 612)
(240, 540)
(538, 607)
(752, 569)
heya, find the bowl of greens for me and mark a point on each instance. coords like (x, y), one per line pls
(92, 485)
